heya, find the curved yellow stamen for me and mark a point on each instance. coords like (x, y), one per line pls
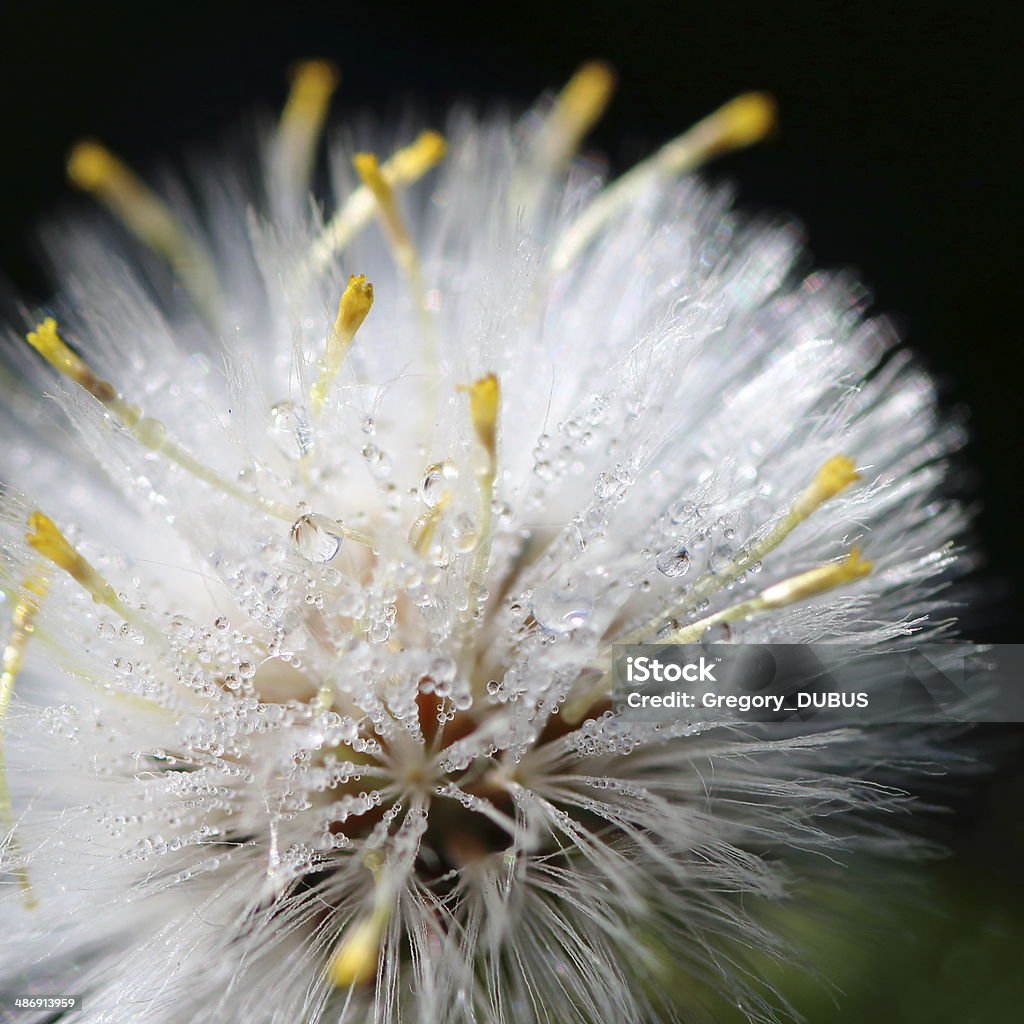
(302, 122)
(94, 169)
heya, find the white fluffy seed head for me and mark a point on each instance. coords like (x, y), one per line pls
(335, 745)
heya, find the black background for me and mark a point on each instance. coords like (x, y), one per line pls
(900, 147)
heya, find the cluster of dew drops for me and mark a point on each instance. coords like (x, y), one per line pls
(688, 533)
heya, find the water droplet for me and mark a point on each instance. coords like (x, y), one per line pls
(317, 537)
(561, 611)
(720, 633)
(682, 512)
(675, 561)
(612, 486)
(463, 533)
(544, 469)
(720, 558)
(377, 461)
(290, 430)
(667, 629)
(433, 484)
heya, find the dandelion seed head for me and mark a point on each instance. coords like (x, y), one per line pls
(315, 550)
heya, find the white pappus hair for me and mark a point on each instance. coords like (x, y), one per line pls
(309, 601)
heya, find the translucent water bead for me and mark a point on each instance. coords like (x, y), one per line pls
(435, 482)
(561, 611)
(317, 537)
(673, 562)
(290, 430)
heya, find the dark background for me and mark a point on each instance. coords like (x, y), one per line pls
(900, 150)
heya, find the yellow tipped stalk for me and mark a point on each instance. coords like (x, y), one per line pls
(798, 588)
(372, 176)
(48, 541)
(741, 122)
(302, 123)
(94, 169)
(802, 587)
(48, 343)
(404, 167)
(576, 110)
(353, 308)
(816, 581)
(149, 432)
(484, 399)
(833, 477)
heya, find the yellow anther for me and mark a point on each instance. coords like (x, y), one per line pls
(48, 343)
(484, 400)
(93, 168)
(355, 962)
(577, 108)
(46, 539)
(834, 477)
(302, 122)
(816, 581)
(741, 122)
(371, 175)
(410, 163)
(404, 167)
(353, 308)
(313, 82)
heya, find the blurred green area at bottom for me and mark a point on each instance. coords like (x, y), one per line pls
(946, 949)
